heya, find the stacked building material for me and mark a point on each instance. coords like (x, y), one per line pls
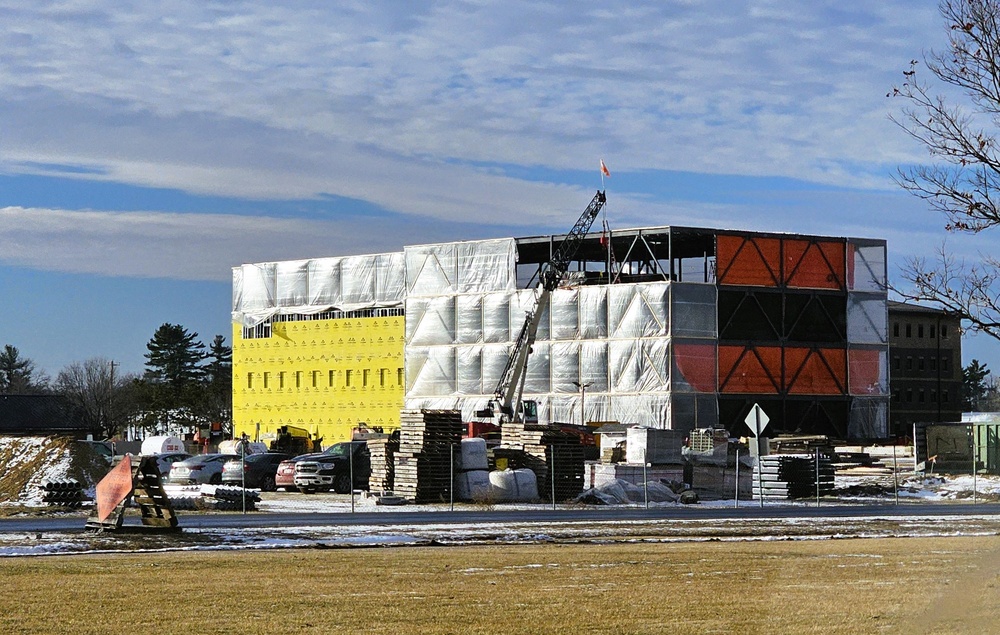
(423, 465)
(788, 476)
(382, 452)
(547, 449)
(63, 493)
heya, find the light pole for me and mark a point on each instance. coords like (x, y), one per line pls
(583, 398)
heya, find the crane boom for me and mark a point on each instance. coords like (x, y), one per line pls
(510, 387)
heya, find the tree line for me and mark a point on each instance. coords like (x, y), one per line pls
(183, 385)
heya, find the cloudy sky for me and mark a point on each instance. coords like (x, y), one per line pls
(147, 148)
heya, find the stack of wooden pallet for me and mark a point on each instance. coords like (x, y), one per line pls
(787, 476)
(547, 450)
(423, 465)
(382, 451)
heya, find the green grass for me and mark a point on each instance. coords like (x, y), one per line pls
(925, 585)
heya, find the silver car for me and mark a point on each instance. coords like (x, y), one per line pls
(204, 468)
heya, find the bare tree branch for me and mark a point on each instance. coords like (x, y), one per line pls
(964, 184)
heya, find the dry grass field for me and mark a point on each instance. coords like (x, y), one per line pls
(912, 585)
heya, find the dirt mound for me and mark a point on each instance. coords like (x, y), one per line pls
(28, 462)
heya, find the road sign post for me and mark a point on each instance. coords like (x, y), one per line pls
(757, 420)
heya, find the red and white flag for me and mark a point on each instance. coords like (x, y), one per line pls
(604, 169)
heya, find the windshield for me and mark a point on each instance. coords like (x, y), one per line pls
(338, 449)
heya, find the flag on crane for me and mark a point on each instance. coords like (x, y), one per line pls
(604, 169)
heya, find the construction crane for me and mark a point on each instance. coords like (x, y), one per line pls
(506, 405)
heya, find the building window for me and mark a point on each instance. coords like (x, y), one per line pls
(944, 331)
(399, 376)
(267, 376)
(920, 363)
(347, 378)
(920, 330)
(909, 330)
(262, 330)
(933, 363)
(281, 380)
(920, 395)
(330, 379)
(249, 380)
(944, 395)
(895, 329)
(315, 376)
(932, 331)
(909, 363)
(298, 379)
(381, 376)
(364, 377)
(933, 395)
(909, 395)
(895, 396)
(896, 365)
(944, 364)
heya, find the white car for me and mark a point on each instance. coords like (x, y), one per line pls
(165, 461)
(204, 468)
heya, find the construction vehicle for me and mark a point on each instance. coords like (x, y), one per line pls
(294, 440)
(507, 405)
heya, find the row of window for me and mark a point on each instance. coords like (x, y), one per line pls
(922, 363)
(323, 379)
(909, 330)
(263, 329)
(921, 395)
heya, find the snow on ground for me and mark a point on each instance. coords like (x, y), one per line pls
(55, 464)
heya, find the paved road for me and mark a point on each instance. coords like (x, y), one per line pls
(542, 516)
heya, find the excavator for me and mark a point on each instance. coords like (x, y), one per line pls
(506, 406)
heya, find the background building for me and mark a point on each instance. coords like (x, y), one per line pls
(666, 327)
(925, 345)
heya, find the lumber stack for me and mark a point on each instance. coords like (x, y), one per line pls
(551, 454)
(382, 452)
(423, 465)
(788, 476)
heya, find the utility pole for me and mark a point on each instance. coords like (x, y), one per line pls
(109, 425)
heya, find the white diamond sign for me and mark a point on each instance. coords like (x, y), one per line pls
(757, 420)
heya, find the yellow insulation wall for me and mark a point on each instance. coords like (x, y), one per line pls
(322, 375)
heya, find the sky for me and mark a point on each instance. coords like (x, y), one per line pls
(148, 148)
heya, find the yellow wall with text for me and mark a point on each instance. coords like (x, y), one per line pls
(322, 375)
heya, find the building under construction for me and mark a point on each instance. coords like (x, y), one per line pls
(669, 327)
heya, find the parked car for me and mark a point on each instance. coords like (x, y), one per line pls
(284, 478)
(333, 468)
(204, 468)
(165, 461)
(259, 472)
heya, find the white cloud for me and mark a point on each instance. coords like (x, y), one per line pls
(776, 88)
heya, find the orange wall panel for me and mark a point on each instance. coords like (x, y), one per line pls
(748, 261)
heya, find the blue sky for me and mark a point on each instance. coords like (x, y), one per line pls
(147, 149)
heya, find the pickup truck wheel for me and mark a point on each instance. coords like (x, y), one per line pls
(267, 484)
(342, 484)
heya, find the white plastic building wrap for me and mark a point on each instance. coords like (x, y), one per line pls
(614, 340)
(349, 283)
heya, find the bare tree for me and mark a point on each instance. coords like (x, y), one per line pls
(100, 394)
(964, 183)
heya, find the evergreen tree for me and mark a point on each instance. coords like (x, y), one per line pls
(18, 375)
(219, 382)
(171, 389)
(974, 385)
(174, 356)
